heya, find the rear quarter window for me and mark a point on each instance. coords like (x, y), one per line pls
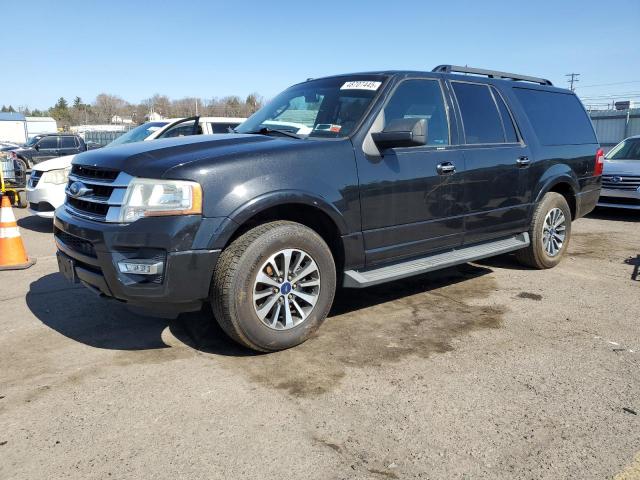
(557, 118)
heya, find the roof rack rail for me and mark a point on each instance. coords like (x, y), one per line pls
(491, 74)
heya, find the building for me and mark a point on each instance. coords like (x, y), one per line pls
(13, 127)
(39, 125)
(613, 126)
(118, 120)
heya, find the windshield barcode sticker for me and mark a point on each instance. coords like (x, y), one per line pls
(361, 85)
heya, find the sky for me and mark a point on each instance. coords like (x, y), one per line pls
(208, 49)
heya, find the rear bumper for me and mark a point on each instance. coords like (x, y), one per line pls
(94, 249)
(586, 202)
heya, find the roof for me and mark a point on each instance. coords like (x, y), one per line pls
(11, 116)
(40, 119)
(462, 73)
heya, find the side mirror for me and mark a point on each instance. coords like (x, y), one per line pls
(37, 147)
(402, 132)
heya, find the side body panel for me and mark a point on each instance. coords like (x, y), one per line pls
(408, 208)
(552, 165)
(495, 199)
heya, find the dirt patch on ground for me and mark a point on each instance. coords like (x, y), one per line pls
(592, 245)
(369, 328)
(530, 296)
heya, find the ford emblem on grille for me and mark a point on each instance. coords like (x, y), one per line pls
(78, 189)
(616, 179)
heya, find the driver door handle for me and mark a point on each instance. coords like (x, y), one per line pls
(523, 161)
(446, 168)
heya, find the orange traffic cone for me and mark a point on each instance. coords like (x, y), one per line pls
(12, 253)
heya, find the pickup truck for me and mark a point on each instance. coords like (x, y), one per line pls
(400, 173)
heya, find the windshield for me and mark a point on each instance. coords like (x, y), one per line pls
(628, 149)
(330, 107)
(32, 141)
(138, 134)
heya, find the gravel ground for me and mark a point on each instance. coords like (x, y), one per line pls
(484, 371)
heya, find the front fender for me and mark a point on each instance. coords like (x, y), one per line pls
(273, 199)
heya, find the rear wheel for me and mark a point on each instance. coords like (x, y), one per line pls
(273, 286)
(549, 233)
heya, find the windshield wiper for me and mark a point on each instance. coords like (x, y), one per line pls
(270, 131)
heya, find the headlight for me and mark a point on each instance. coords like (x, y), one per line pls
(149, 198)
(56, 177)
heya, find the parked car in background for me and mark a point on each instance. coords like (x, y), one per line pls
(178, 127)
(45, 189)
(621, 176)
(50, 145)
(401, 173)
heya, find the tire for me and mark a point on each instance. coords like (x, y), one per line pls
(537, 254)
(236, 281)
(27, 164)
(22, 199)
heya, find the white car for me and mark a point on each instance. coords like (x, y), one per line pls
(621, 176)
(46, 185)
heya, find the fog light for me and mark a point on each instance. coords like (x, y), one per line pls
(140, 266)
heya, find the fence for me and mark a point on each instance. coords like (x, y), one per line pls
(613, 126)
(101, 138)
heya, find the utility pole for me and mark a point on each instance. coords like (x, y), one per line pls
(573, 78)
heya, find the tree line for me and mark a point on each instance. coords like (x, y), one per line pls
(106, 108)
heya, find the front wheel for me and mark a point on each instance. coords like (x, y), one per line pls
(549, 233)
(22, 199)
(273, 286)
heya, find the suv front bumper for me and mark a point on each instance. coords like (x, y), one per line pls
(89, 252)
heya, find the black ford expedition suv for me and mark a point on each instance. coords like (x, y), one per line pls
(349, 180)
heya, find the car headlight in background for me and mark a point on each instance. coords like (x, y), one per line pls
(56, 177)
(150, 198)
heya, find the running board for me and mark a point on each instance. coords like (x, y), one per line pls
(367, 278)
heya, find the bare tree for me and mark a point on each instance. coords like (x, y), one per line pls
(106, 106)
(159, 104)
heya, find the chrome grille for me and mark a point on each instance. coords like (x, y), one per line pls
(104, 194)
(621, 182)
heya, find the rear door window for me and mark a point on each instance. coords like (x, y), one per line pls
(48, 143)
(222, 127)
(68, 142)
(507, 121)
(480, 117)
(557, 118)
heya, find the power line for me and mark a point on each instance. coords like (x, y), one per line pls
(610, 95)
(609, 84)
(573, 78)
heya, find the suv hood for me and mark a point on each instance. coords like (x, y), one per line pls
(153, 159)
(621, 167)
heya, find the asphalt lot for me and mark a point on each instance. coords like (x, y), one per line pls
(484, 371)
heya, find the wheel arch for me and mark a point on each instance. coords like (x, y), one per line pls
(311, 211)
(25, 159)
(565, 184)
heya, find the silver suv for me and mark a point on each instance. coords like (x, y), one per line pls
(621, 176)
